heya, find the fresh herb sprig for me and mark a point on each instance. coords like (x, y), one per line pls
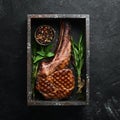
(78, 53)
(39, 53)
(44, 52)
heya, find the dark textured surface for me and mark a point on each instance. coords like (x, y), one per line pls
(104, 60)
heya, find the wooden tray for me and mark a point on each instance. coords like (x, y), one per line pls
(79, 23)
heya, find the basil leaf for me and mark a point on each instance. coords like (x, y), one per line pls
(50, 54)
(48, 48)
(38, 58)
(42, 53)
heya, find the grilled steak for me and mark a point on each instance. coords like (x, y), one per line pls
(54, 79)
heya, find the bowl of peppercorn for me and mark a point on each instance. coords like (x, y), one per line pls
(44, 34)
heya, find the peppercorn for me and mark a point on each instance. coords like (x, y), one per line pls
(44, 34)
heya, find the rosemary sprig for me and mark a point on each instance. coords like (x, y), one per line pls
(78, 53)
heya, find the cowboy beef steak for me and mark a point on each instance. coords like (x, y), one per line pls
(55, 80)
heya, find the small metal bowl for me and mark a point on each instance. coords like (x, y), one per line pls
(44, 34)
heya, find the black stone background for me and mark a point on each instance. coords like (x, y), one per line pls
(104, 59)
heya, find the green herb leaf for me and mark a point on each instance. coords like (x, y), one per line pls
(50, 54)
(42, 53)
(48, 48)
(81, 63)
(73, 43)
(38, 58)
(80, 41)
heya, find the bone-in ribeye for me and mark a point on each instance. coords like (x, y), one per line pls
(54, 79)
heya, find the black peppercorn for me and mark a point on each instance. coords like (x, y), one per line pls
(44, 34)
